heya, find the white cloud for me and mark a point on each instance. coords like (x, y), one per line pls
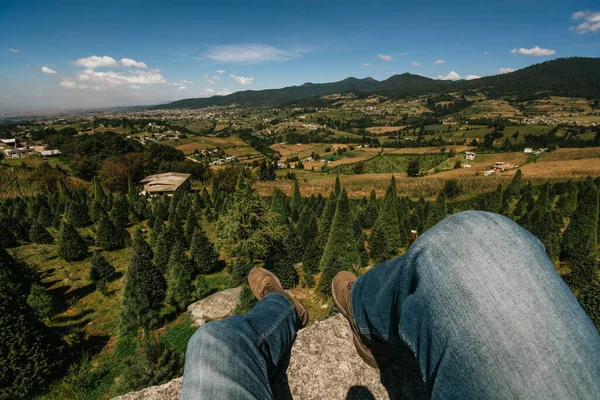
(536, 51)
(385, 57)
(216, 78)
(94, 62)
(14, 50)
(134, 86)
(211, 92)
(181, 88)
(416, 64)
(485, 53)
(210, 81)
(366, 64)
(182, 82)
(505, 70)
(220, 71)
(250, 54)
(112, 79)
(452, 76)
(471, 77)
(128, 62)
(70, 84)
(242, 80)
(48, 70)
(591, 22)
(440, 62)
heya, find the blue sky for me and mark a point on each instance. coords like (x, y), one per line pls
(79, 54)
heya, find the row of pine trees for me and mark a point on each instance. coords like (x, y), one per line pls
(303, 240)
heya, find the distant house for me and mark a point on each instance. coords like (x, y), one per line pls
(528, 150)
(499, 166)
(49, 153)
(469, 155)
(467, 166)
(167, 183)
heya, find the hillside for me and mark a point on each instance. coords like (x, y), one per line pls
(272, 97)
(571, 77)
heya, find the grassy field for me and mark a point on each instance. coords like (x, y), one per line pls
(233, 146)
(561, 164)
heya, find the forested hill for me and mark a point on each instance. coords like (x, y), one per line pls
(572, 77)
(274, 97)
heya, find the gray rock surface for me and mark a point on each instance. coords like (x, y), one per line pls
(167, 391)
(216, 306)
(324, 365)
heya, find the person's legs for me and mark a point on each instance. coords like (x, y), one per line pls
(482, 308)
(234, 358)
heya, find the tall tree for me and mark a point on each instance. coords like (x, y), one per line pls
(581, 236)
(203, 254)
(180, 288)
(39, 234)
(145, 288)
(71, 247)
(101, 271)
(108, 237)
(162, 253)
(296, 198)
(341, 244)
(371, 211)
(247, 228)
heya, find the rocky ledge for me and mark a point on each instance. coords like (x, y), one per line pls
(324, 365)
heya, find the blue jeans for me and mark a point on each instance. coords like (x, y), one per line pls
(475, 298)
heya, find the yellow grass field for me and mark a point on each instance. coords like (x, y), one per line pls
(383, 129)
(562, 164)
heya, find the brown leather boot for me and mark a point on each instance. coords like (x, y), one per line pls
(374, 356)
(263, 282)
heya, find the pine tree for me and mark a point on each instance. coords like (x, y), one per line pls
(119, 213)
(341, 244)
(101, 271)
(174, 232)
(331, 269)
(337, 189)
(239, 271)
(279, 206)
(386, 226)
(203, 254)
(371, 211)
(247, 227)
(45, 217)
(214, 190)
(71, 247)
(97, 192)
(438, 212)
(581, 236)
(7, 236)
(191, 224)
(108, 236)
(246, 301)
(379, 248)
(279, 261)
(162, 253)
(39, 234)
(180, 288)
(96, 210)
(145, 288)
(546, 228)
(77, 214)
(296, 199)
(309, 231)
(30, 353)
(326, 219)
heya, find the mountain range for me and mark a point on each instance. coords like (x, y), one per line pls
(570, 77)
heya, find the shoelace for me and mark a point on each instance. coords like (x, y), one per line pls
(266, 290)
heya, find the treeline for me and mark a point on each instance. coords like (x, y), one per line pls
(115, 158)
(322, 235)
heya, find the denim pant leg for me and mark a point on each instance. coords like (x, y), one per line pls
(234, 358)
(485, 313)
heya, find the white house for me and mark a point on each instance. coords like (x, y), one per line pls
(469, 155)
(528, 150)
